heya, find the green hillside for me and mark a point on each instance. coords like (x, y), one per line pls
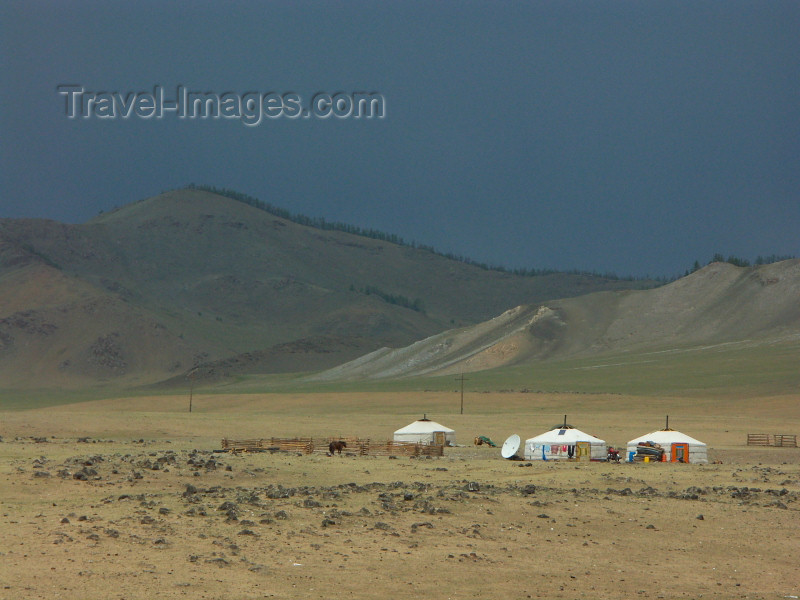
(189, 278)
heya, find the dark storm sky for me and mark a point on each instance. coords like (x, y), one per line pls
(632, 137)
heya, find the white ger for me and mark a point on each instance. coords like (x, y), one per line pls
(426, 431)
(678, 447)
(564, 443)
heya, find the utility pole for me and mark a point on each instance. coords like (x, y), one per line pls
(191, 388)
(462, 379)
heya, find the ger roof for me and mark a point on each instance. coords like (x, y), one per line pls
(666, 437)
(424, 426)
(569, 436)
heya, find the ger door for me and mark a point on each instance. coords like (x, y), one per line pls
(583, 451)
(680, 453)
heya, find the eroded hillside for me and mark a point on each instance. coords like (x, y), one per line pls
(718, 304)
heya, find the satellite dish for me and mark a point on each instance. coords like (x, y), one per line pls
(510, 447)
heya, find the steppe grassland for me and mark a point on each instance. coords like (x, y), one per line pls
(577, 533)
(722, 423)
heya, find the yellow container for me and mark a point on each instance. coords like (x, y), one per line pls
(646, 459)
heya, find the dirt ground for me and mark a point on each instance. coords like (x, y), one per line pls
(126, 499)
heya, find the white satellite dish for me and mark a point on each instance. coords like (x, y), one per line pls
(510, 447)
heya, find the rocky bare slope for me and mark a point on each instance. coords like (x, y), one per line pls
(718, 304)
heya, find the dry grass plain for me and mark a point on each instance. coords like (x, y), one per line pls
(166, 517)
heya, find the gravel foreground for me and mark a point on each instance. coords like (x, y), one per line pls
(84, 518)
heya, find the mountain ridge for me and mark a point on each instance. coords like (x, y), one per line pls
(157, 288)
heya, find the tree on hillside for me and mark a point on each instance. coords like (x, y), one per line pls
(743, 262)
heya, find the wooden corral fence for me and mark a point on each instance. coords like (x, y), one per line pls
(362, 447)
(304, 445)
(391, 448)
(790, 441)
(758, 439)
(778, 439)
(354, 445)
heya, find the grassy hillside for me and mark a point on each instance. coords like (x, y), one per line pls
(723, 372)
(155, 289)
(719, 374)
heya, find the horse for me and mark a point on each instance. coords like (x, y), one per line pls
(336, 447)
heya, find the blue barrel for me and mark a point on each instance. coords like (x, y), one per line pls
(630, 456)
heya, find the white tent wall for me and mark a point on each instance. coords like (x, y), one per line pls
(599, 451)
(545, 451)
(424, 438)
(698, 456)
